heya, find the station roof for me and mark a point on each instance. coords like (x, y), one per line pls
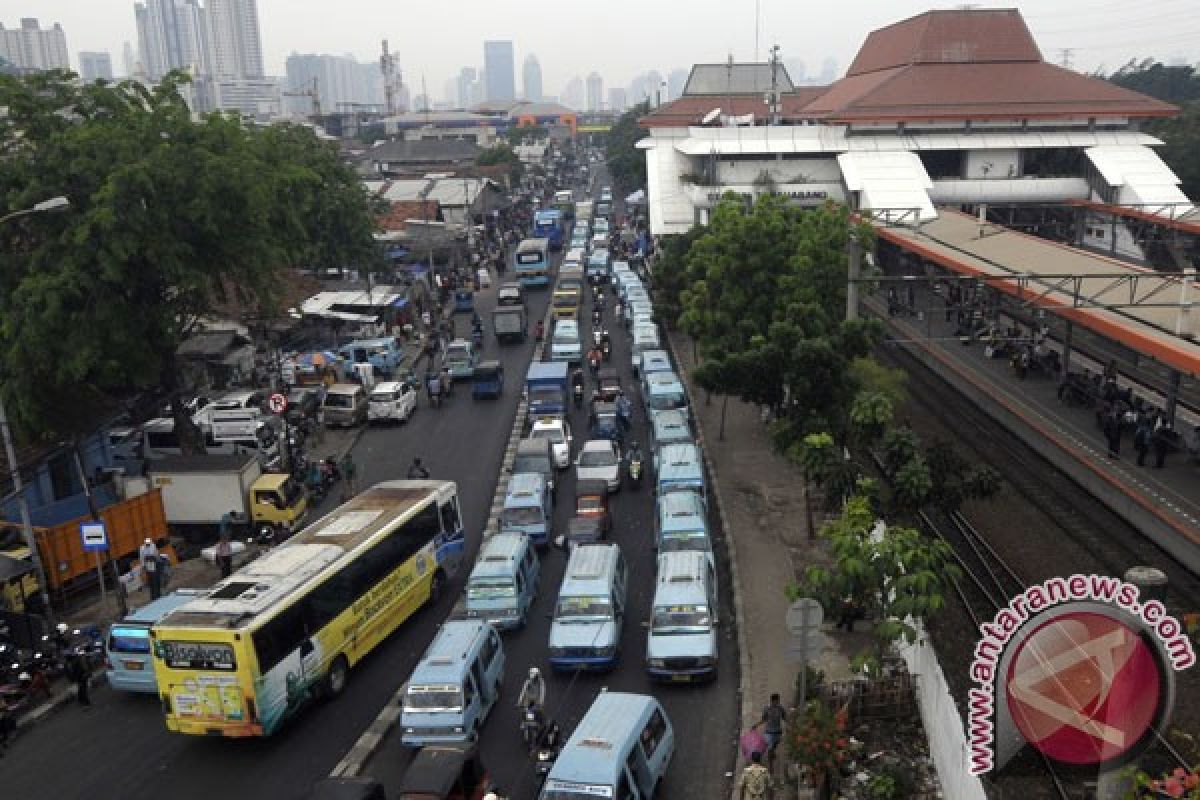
(752, 78)
(1026, 266)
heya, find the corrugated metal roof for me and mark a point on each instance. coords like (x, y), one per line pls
(894, 180)
(709, 79)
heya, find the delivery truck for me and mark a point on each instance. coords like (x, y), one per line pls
(197, 491)
(509, 323)
(546, 389)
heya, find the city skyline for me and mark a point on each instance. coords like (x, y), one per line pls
(1069, 31)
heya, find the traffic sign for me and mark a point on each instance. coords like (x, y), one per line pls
(802, 648)
(803, 615)
(94, 537)
(277, 402)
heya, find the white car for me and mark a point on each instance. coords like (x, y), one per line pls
(599, 460)
(558, 431)
(391, 401)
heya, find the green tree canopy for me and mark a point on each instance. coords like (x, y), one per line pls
(169, 216)
(1173, 84)
(502, 154)
(626, 163)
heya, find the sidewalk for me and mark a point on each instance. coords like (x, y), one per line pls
(761, 502)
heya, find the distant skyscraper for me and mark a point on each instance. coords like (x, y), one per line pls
(128, 59)
(828, 71)
(795, 68)
(95, 66)
(467, 76)
(595, 92)
(617, 99)
(676, 80)
(573, 94)
(342, 82)
(173, 34)
(531, 74)
(30, 47)
(236, 42)
(499, 71)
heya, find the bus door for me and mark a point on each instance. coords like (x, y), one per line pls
(451, 542)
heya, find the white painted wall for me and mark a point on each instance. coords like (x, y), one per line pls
(1020, 190)
(942, 721)
(992, 164)
(812, 170)
(668, 198)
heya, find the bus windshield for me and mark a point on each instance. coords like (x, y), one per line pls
(565, 790)
(433, 698)
(681, 619)
(490, 589)
(583, 607)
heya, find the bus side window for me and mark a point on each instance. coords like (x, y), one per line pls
(652, 734)
(450, 520)
(624, 788)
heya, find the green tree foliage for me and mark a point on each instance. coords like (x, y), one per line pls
(954, 481)
(892, 574)
(1179, 85)
(526, 133)
(169, 217)
(502, 154)
(626, 163)
(670, 274)
(765, 300)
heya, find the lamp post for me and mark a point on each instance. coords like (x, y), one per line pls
(54, 204)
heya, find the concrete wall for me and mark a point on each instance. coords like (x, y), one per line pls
(1017, 190)
(812, 170)
(670, 205)
(942, 720)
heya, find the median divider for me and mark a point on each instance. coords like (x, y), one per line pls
(355, 760)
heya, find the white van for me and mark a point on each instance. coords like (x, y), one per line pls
(586, 631)
(454, 686)
(682, 643)
(392, 401)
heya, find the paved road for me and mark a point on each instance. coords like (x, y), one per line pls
(120, 748)
(704, 717)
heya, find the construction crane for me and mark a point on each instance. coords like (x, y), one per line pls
(311, 92)
(391, 77)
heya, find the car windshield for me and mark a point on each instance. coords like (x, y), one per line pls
(383, 397)
(531, 464)
(491, 589)
(553, 434)
(584, 607)
(333, 400)
(684, 540)
(521, 516)
(597, 458)
(589, 502)
(433, 698)
(680, 619)
(457, 353)
(561, 790)
(544, 394)
(666, 401)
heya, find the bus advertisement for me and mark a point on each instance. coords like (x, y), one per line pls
(244, 657)
(548, 224)
(531, 264)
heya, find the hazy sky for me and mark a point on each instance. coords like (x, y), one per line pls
(620, 38)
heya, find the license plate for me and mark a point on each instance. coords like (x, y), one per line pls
(681, 678)
(134, 665)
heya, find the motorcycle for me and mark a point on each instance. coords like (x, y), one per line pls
(477, 337)
(531, 728)
(578, 389)
(606, 349)
(548, 750)
(635, 470)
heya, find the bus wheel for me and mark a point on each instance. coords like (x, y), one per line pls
(335, 681)
(435, 587)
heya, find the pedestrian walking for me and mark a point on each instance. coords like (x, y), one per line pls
(80, 673)
(755, 780)
(151, 567)
(753, 742)
(773, 717)
(1141, 440)
(224, 554)
(1162, 443)
(1111, 425)
(349, 478)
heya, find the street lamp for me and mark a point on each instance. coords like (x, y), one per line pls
(50, 206)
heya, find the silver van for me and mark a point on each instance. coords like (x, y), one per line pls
(345, 405)
(589, 614)
(682, 643)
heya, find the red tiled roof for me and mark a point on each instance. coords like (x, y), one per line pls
(690, 110)
(951, 36)
(1012, 90)
(403, 210)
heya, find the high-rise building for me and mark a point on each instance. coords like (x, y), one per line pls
(595, 92)
(531, 74)
(341, 81)
(173, 34)
(95, 66)
(676, 79)
(128, 60)
(236, 41)
(618, 100)
(573, 94)
(31, 48)
(467, 79)
(499, 71)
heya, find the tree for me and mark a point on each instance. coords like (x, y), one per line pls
(954, 481)
(626, 163)
(1172, 84)
(670, 274)
(169, 217)
(502, 154)
(891, 574)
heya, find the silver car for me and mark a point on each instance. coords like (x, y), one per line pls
(599, 460)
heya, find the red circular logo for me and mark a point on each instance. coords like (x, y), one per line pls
(1084, 688)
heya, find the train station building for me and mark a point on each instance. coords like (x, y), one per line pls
(948, 108)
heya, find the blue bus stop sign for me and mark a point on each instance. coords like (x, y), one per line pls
(94, 537)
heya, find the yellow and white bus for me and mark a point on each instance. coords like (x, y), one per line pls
(242, 658)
